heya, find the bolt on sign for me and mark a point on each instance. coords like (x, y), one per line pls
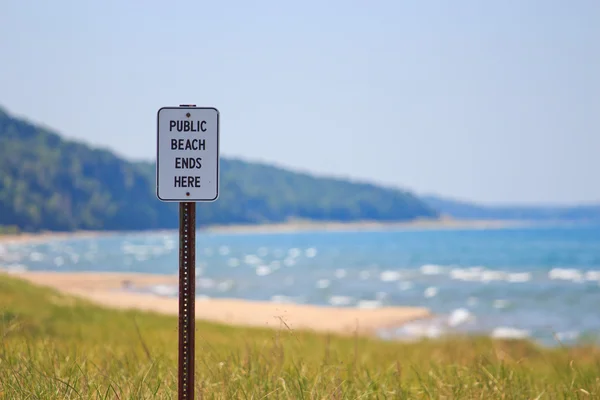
(187, 171)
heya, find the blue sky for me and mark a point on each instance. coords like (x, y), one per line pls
(497, 102)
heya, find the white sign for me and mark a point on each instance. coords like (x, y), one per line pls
(187, 159)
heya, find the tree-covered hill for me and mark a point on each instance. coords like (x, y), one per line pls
(49, 183)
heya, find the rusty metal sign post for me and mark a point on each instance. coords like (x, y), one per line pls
(187, 171)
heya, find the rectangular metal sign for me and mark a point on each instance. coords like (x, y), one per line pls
(187, 159)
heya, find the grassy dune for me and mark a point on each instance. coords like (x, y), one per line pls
(57, 347)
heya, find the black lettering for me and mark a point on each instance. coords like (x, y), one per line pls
(188, 144)
(187, 181)
(187, 126)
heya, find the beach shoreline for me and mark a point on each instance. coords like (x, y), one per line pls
(114, 290)
(272, 228)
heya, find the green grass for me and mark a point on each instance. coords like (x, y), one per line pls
(56, 347)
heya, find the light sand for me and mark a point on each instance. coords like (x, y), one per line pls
(105, 289)
(296, 226)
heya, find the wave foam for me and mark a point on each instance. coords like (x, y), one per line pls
(14, 268)
(504, 332)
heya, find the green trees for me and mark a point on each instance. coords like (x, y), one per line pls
(50, 183)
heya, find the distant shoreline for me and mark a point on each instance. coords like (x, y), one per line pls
(297, 226)
(285, 227)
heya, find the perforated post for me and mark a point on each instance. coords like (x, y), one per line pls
(187, 291)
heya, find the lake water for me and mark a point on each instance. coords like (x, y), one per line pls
(538, 282)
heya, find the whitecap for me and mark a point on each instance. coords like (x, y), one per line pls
(405, 285)
(369, 304)
(390, 276)
(262, 251)
(141, 257)
(323, 283)
(169, 244)
(340, 300)
(225, 286)
(364, 275)
(490, 275)
(224, 250)
(310, 252)
(568, 335)
(263, 270)
(15, 268)
(294, 252)
(509, 333)
(431, 269)
(430, 292)
(472, 301)
(278, 298)
(519, 277)
(501, 303)
(252, 259)
(567, 274)
(205, 283)
(36, 256)
(592, 275)
(289, 262)
(465, 274)
(58, 261)
(233, 262)
(340, 273)
(158, 250)
(459, 316)
(417, 329)
(381, 295)
(164, 290)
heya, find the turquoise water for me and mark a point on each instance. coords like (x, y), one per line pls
(539, 282)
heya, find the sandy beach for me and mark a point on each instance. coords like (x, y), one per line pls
(106, 289)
